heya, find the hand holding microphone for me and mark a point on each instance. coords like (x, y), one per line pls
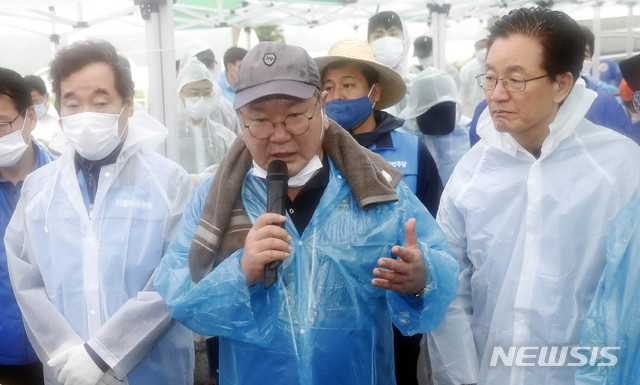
(267, 244)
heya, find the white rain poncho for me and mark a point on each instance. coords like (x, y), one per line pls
(202, 145)
(613, 317)
(322, 322)
(431, 87)
(223, 112)
(470, 93)
(89, 279)
(529, 235)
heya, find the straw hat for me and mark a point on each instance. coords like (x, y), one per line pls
(393, 87)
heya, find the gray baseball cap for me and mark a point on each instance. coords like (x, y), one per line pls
(272, 68)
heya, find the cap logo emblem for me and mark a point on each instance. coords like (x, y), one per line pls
(269, 59)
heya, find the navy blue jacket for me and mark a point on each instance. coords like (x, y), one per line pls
(15, 348)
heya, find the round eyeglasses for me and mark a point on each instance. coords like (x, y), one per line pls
(295, 124)
(7, 127)
(513, 83)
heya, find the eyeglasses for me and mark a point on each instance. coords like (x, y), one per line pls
(514, 83)
(7, 127)
(636, 100)
(295, 124)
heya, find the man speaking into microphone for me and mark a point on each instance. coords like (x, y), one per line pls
(357, 250)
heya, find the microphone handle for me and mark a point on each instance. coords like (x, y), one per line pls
(276, 195)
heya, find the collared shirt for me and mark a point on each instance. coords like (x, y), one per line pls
(91, 172)
(301, 209)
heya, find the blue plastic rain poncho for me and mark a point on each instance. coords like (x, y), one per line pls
(613, 317)
(15, 348)
(322, 322)
(431, 87)
(89, 279)
(529, 235)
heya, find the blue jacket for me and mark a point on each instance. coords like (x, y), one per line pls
(322, 322)
(15, 348)
(227, 92)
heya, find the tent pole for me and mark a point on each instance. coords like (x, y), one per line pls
(161, 60)
(597, 31)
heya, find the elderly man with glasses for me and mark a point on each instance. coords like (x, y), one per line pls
(528, 209)
(357, 250)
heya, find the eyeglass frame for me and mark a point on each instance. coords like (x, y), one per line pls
(284, 125)
(10, 123)
(505, 83)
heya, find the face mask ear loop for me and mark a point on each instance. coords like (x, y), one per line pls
(369, 94)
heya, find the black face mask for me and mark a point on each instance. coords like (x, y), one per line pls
(438, 120)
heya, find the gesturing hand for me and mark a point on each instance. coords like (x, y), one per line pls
(265, 243)
(407, 275)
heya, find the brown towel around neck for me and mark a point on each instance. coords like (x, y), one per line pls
(223, 224)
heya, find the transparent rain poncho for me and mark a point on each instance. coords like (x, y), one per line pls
(81, 278)
(202, 145)
(529, 235)
(322, 322)
(431, 87)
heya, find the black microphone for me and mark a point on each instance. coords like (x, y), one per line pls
(277, 184)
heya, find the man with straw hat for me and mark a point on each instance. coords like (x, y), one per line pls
(358, 88)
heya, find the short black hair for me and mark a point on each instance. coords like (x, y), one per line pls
(35, 83)
(78, 55)
(559, 36)
(233, 54)
(386, 19)
(589, 38)
(422, 46)
(369, 73)
(14, 86)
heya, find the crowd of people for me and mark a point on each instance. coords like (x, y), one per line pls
(439, 226)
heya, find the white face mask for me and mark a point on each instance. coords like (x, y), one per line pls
(93, 135)
(426, 62)
(304, 175)
(198, 107)
(388, 50)
(586, 68)
(635, 117)
(41, 109)
(298, 180)
(12, 147)
(481, 54)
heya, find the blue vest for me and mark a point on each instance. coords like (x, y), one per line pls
(401, 151)
(15, 348)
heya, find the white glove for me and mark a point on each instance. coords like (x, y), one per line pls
(77, 367)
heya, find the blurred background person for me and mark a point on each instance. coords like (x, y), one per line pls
(432, 112)
(470, 94)
(47, 131)
(423, 50)
(227, 82)
(203, 142)
(222, 111)
(389, 39)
